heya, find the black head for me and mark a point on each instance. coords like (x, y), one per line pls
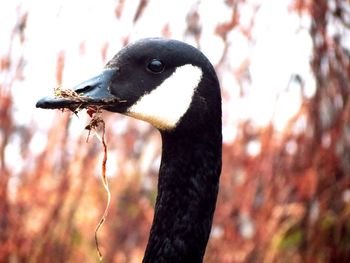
(157, 80)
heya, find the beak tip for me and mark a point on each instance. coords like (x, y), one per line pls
(50, 103)
(42, 103)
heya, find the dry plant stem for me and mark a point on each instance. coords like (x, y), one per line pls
(95, 122)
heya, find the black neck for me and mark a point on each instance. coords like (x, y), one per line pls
(187, 191)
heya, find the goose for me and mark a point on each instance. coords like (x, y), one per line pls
(174, 87)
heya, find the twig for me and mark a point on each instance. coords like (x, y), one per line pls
(95, 123)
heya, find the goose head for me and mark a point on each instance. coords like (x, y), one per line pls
(167, 83)
(173, 86)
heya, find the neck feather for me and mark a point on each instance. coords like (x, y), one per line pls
(187, 191)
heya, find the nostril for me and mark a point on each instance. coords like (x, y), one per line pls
(83, 89)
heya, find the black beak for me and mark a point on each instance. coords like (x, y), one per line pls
(93, 92)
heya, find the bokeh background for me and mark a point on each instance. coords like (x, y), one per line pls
(284, 71)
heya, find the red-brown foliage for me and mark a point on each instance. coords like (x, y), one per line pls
(290, 202)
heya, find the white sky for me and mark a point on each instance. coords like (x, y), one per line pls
(279, 50)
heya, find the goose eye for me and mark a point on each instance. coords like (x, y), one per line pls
(155, 66)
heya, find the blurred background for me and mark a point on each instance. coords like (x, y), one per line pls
(284, 71)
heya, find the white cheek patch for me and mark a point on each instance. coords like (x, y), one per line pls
(164, 106)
